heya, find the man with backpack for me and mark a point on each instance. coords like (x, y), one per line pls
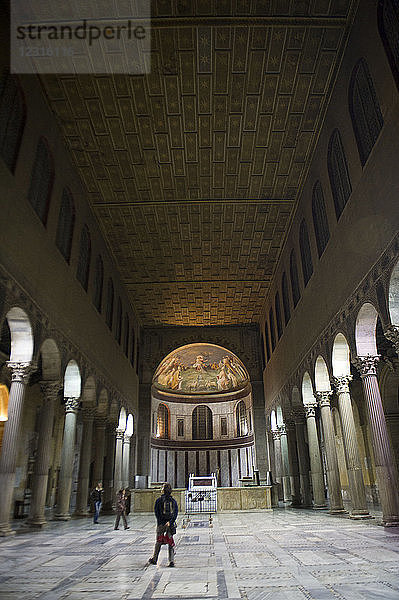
(166, 511)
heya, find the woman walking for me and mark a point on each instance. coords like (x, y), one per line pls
(121, 509)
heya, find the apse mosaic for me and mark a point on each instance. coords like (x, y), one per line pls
(200, 369)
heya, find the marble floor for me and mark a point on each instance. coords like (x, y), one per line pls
(286, 554)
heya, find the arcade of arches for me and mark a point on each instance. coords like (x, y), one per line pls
(199, 268)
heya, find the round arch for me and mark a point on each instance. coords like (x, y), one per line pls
(129, 425)
(21, 335)
(321, 376)
(89, 393)
(393, 295)
(307, 390)
(51, 360)
(72, 380)
(163, 421)
(102, 403)
(341, 356)
(122, 419)
(365, 336)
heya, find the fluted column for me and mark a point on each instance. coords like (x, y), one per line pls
(383, 456)
(285, 465)
(67, 456)
(19, 378)
(118, 461)
(293, 464)
(352, 456)
(316, 469)
(84, 464)
(50, 391)
(108, 482)
(303, 459)
(99, 449)
(125, 460)
(334, 482)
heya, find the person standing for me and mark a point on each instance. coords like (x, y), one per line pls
(121, 509)
(166, 511)
(96, 497)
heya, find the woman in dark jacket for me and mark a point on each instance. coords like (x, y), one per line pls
(166, 512)
(120, 509)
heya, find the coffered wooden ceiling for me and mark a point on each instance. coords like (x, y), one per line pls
(193, 170)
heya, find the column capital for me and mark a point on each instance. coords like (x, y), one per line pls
(341, 383)
(72, 405)
(88, 414)
(282, 429)
(290, 424)
(20, 371)
(323, 398)
(126, 438)
(276, 434)
(119, 433)
(100, 422)
(310, 409)
(392, 334)
(50, 389)
(366, 365)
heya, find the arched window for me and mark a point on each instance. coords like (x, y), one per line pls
(82, 273)
(132, 346)
(126, 335)
(296, 294)
(286, 299)
(365, 111)
(118, 331)
(267, 342)
(98, 284)
(162, 422)
(306, 256)
(12, 119)
(41, 180)
(320, 221)
(340, 182)
(241, 419)
(66, 223)
(109, 315)
(272, 331)
(202, 423)
(388, 25)
(277, 310)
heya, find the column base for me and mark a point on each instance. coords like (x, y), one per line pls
(357, 516)
(6, 531)
(338, 511)
(82, 513)
(320, 507)
(390, 522)
(64, 517)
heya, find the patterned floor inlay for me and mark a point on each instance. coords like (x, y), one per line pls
(283, 555)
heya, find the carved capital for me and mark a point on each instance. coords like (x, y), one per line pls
(310, 409)
(72, 405)
(341, 383)
(88, 414)
(20, 371)
(392, 334)
(282, 429)
(126, 438)
(366, 365)
(50, 389)
(119, 433)
(323, 398)
(276, 434)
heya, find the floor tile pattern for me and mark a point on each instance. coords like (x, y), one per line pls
(284, 555)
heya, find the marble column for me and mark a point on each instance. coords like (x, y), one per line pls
(352, 456)
(316, 468)
(99, 451)
(334, 482)
(303, 459)
(273, 468)
(132, 462)
(19, 378)
(278, 458)
(293, 463)
(84, 464)
(108, 482)
(125, 459)
(50, 391)
(387, 478)
(118, 462)
(67, 458)
(285, 466)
